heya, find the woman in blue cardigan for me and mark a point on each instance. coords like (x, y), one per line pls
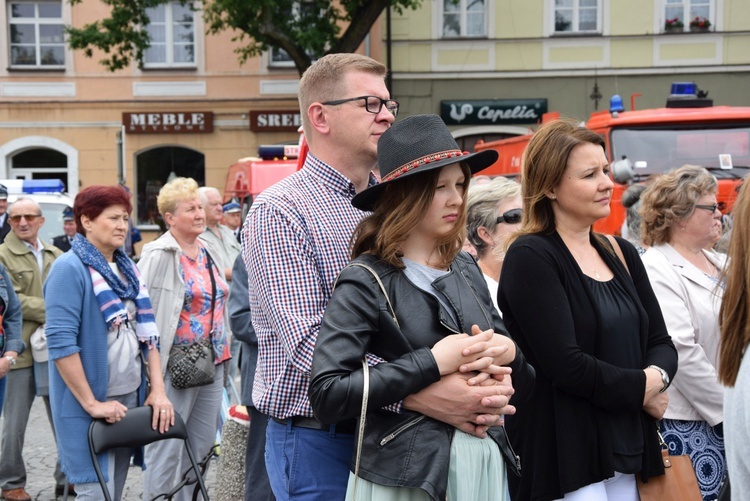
(100, 329)
(581, 308)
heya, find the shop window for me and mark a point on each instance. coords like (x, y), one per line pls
(686, 11)
(154, 168)
(464, 18)
(36, 35)
(172, 32)
(577, 16)
(40, 163)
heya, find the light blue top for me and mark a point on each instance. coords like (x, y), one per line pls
(75, 324)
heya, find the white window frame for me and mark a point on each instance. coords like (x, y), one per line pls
(463, 12)
(686, 14)
(284, 63)
(576, 19)
(36, 21)
(169, 42)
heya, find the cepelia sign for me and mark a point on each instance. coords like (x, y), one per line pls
(156, 122)
(493, 112)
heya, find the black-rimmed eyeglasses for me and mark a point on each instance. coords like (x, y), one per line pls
(712, 207)
(373, 104)
(513, 216)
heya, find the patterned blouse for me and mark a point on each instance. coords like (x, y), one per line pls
(196, 316)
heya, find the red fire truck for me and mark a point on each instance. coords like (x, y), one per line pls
(643, 143)
(249, 176)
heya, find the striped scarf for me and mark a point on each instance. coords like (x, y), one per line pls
(110, 290)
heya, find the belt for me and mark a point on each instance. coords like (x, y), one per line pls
(347, 426)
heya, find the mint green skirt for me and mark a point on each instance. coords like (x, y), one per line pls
(477, 473)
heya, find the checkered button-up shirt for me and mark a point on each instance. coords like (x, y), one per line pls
(296, 241)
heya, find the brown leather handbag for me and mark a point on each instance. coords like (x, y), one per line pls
(678, 483)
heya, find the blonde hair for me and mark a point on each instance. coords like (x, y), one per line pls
(670, 199)
(324, 81)
(174, 192)
(481, 207)
(544, 163)
(734, 313)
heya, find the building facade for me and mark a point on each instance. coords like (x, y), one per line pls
(190, 110)
(490, 67)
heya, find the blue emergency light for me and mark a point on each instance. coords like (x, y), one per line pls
(615, 104)
(683, 89)
(29, 186)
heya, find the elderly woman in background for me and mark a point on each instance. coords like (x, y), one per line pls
(188, 291)
(681, 221)
(100, 328)
(11, 344)
(493, 214)
(631, 200)
(581, 308)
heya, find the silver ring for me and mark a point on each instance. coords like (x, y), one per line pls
(163, 410)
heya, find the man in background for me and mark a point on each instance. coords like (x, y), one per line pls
(28, 261)
(63, 241)
(232, 218)
(4, 224)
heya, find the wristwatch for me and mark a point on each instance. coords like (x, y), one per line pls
(11, 360)
(664, 377)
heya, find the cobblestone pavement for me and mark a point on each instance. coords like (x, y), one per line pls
(40, 454)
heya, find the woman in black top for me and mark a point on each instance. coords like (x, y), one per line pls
(589, 323)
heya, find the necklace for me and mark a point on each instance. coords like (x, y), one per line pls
(711, 268)
(580, 262)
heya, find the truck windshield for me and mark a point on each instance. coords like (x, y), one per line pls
(656, 150)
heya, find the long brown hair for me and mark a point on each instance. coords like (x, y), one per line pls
(400, 208)
(734, 313)
(544, 162)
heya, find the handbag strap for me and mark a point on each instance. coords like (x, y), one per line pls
(213, 291)
(366, 376)
(380, 284)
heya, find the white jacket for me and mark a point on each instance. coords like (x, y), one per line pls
(160, 268)
(690, 302)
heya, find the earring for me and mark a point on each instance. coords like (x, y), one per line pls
(554, 197)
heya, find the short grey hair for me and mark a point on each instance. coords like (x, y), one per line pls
(203, 192)
(24, 199)
(481, 207)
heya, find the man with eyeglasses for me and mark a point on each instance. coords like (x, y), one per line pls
(28, 261)
(296, 241)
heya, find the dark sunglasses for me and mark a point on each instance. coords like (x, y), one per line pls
(373, 104)
(513, 216)
(29, 217)
(711, 207)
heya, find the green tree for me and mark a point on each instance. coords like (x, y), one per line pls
(305, 29)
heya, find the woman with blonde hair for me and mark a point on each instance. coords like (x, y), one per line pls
(680, 223)
(493, 213)
(734, 361)
(188, 291)
(581, 308)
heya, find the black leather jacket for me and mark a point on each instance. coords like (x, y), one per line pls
(406, 449)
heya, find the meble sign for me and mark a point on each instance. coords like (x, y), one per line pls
(493, 112)
(275, 120)
(191, 122)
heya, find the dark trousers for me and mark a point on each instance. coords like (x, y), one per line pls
(257, 486)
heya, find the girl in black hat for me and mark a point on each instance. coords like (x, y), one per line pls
(413, 301)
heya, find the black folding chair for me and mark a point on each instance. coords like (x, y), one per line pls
(134, 430)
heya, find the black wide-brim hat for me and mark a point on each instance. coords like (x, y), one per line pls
(417, 144)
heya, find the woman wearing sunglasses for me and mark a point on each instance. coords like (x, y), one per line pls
(411, 243)
(681, 221)
(493, 213)
(587, 319)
